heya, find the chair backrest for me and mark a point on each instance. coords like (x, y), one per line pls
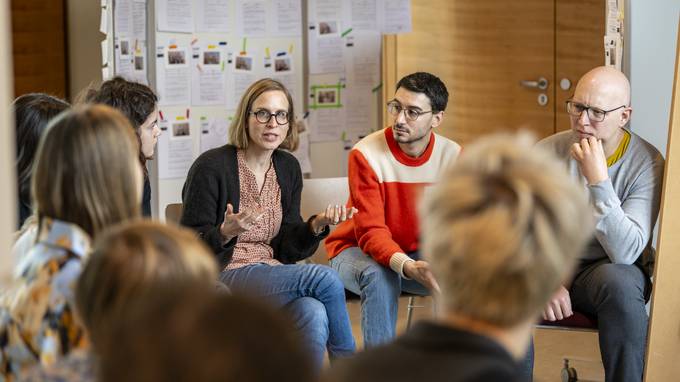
(317, 194)
(173, 212)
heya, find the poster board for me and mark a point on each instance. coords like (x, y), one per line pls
(271, 42)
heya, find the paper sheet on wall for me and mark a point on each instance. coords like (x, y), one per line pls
(139, 61)
(613, 50)
(281, 68)
(613, 18)
(175, 146)
(251, 18)
(104, 21)
(215, 131)
(173, 77)
(362, 58)
(286, 18)
(326, 124)
(107, 73)
(122, 18)
(324, 31)
(105, 52)
(395, 16)
(130, 40)
(139, 19)
(209, 76)
(243, 71)
(123, 56)
(362, 15)
(175, 16)
(362, 63)
(613, 39)
(213, 16)
(326, 107)
(359, 103)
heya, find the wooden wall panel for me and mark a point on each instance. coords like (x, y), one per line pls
(663, 351)
(482, 49)
(38, 45)
(579, 47)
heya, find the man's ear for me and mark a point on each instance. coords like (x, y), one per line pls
(625, 116)
(437, 118)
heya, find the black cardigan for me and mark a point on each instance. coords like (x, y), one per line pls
(213, 182)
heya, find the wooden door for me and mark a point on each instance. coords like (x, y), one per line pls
(483, 50)
(579, 47)
(38, 47)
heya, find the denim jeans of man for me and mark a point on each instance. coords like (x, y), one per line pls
(324, 323)
(379, 288)
(616, 294)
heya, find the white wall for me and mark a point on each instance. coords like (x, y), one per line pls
(7, 179)
(651, 37)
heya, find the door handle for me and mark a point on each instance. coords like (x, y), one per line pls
(541, 83)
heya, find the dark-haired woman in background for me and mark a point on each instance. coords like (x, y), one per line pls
(140, 105)
(32, 112)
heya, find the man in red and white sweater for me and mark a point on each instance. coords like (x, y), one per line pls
(376, 252)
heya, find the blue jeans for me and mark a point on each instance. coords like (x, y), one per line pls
(379, 288)
(313, 294)
(616, 294)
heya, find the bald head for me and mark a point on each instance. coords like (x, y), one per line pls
(607, 90)
(604, 87)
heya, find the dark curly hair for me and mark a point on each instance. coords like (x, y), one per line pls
(136, 101)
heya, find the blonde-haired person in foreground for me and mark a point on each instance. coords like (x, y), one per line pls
(126, 263)
(189, 334)
(502, 230)
(85, 179)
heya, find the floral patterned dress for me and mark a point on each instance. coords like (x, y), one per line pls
(37, 321)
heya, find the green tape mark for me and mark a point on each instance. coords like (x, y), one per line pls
(345, 33)
(244, 45)
(326, 104)
(375, 89)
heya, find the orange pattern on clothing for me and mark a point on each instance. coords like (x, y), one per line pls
(253, 246)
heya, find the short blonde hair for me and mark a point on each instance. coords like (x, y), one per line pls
(238, 131)
(132, 258)
(503, 229)
(85, 169)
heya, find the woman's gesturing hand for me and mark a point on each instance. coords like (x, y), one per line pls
(235, 224)
(334, 214)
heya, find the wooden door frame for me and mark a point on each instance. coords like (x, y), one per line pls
(7, 177)
(663, 344)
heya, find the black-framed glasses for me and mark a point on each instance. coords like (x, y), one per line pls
(394, 108)
(264, 116)
(594, 113)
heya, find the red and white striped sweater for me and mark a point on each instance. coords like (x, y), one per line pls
(386, 186)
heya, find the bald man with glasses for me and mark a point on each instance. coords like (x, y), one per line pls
(376, 254)
(622, 174)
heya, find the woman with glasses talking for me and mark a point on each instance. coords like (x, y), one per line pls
(244, 200)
